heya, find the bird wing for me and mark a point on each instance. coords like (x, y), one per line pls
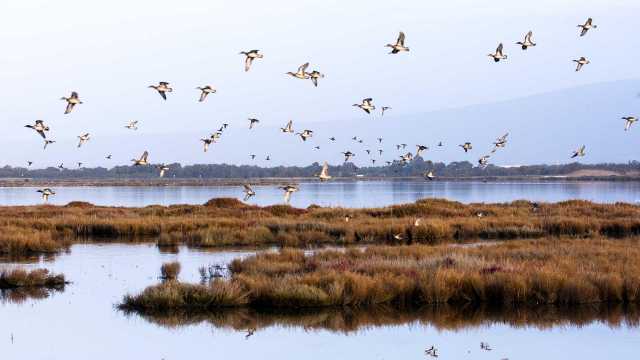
(315, 81)
(584, 31)
(247, 63)
(69, 108)
(499, 50)
(527, 37)
(325, 169)
(400, 39)
(203, 95)
(302, 68)
(144, 156)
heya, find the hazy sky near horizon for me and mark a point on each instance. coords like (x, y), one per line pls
(111, 51)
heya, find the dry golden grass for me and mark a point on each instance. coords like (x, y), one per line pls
(228, 222)
(39, 278)
(170, 271)
(563, 272)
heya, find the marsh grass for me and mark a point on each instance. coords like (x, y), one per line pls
(562, 272)
(170, 271)
(229, 222)
(22, 279)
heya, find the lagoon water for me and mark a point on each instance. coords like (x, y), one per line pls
(82, 323)
(345, 194)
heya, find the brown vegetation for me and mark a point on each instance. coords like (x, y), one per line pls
(561, 272)
(228, 222)
(170, 271)
(39, 278)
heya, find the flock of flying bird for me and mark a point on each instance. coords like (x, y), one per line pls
(367, 105)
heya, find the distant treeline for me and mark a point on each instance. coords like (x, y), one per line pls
(417, 167)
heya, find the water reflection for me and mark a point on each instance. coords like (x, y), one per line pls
(22, 295)
(445, 317)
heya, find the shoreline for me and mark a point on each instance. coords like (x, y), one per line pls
(163, 182)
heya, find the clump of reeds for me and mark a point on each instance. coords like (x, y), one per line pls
(40, 278)
(170, 271)
(551, 271)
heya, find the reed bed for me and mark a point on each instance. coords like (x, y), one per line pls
(563, 272)
(229, 222)
(22, 279)
(170, 271)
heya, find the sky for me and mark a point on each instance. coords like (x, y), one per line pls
(111, 51)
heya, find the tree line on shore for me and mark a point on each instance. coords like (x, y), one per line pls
(397, 169)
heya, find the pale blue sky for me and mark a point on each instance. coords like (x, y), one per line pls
(111, 51)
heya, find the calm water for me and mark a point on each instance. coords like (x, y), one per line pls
(81, 323)
(345, 194)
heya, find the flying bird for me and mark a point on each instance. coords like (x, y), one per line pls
(83, 139)
(305, 134)
(108, 157)
(429, 175)
(385, 108)
(47, 142)
(484, 161)
(499, 55)
(39, 127)
(132, 125)
(79, 164)
(399, 45)
(288, 128)
(29, 163)
(466, 146)
(72, 101)
(324, 173)
(206, 142)
(204, 91)
(580, 152)
(249, 57)
(314, 76)
(143, 160)
(46, 192)
(248, 192)
(162, 88)
(588, 25)
(301, 73)
(629, 120)
(253, 122)
(162, 168)
(420, 149)
(581, 62)
(288, 190)
(366, 105)
(348, 155)
(528, 41)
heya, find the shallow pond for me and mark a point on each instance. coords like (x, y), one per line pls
(82, 322)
